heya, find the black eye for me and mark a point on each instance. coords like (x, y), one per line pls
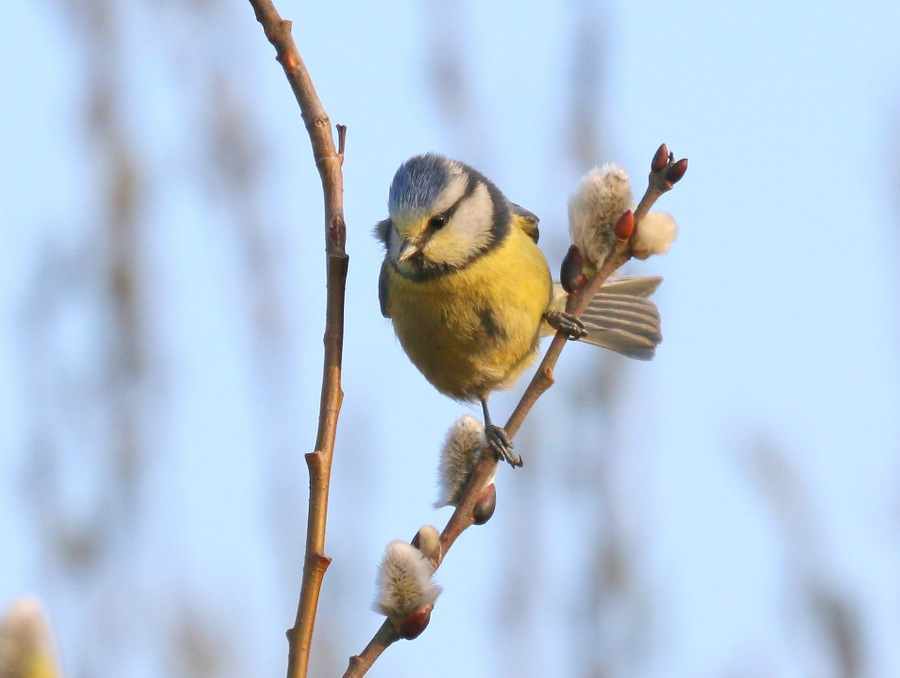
(437, 221)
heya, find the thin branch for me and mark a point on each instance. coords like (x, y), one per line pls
(383, 638)
(328, 161)
(664, 173)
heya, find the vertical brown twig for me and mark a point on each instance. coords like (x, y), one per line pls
(328, 162)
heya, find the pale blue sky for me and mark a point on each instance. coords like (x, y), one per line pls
(780, 310)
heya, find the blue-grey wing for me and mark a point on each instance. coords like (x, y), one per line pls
(383, 288)
(527, 221)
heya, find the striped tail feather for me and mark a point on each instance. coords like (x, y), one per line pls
(621, 318)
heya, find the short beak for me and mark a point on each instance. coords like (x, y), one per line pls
(408, 249)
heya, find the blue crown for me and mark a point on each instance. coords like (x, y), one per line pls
(418, 183)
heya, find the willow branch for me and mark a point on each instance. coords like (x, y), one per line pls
(328, 161)
(665, 172)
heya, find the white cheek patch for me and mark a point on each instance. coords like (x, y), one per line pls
(468, 231)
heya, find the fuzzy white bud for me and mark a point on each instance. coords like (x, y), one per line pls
(602, 197)
(428, 541)
(462, 448)
(404, 582)
(26, 649)
(655, 234)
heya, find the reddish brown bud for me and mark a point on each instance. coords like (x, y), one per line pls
(571, 274)
(660, 158)
(485, 505)
(414, 624)
(676, 171)
(625, 226)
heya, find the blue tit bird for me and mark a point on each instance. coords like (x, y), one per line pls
(470, 294)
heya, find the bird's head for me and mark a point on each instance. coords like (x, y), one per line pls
(442, 214)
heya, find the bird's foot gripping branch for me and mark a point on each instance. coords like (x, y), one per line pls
(469, 294)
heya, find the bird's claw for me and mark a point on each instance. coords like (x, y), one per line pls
(499, 442)
(566, 323)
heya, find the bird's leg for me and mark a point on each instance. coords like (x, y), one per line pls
(497, 439)
(566, 323)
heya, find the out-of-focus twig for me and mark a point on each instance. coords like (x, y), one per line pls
(832, 610)
(583, 110)
(26, 648)
(328, 161)
(664, 173)
(455, 101)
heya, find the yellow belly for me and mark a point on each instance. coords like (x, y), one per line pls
(473, 331)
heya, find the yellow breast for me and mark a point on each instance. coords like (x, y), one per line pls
(474, 330)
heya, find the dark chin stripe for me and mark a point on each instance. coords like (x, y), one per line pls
(420, 270)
